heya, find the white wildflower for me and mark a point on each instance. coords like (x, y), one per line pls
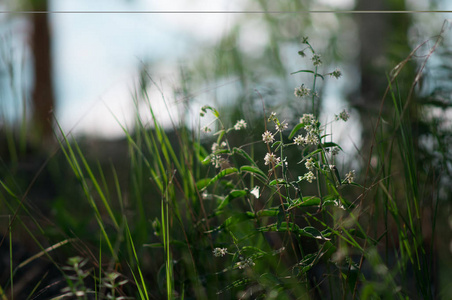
(271, 158)
(308, 119)
(216, 160)
(310, 164)
(336, 74)
(255, 191)
(350, 176)
(311, 129)
(299, 140)
(311, 139)
(344, 115)
(240, 124)
(272, 117)
(281, 127)
(268, 137)
(301, 91)
(316, 61)
(335, 151)
(245, 263)
(309, 177)
(215, 147)
(220, 252)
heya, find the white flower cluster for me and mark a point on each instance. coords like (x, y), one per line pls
(220, 252)
(309, 177)
(243, 263)
(268, 137)
(215, 157)
(240, 124)
(216, 160)
(335, 151)
(281, 126)
(316, 61)
(272, 117)
(271, 159)
(310, 164)
(299, 140)
(301, 91)
(336, 74)
(344, 115)
(308, 119)
(350, 176)
(311, 138)
(311, 127)
(216, 147)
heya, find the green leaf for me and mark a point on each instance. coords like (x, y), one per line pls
(310, 155)
(308, 71)
(310, 231)
(244, 154)
(213, 110)
(295, 129)
(233, 220)
(328, 249)
(305, 202)
(232, 195)
(308, 262)
(254, 170)
(330, 145)
(220, 175)
(277, 181)
(271, 212)
(268, 279)
(356, 184)
(277, 143)
(285, 226)
(202, 183)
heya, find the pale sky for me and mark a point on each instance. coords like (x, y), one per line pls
(96, 56)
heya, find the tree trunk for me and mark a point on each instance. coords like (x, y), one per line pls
(42, 97)
(383, 44)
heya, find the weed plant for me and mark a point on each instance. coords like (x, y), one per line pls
(213, 218)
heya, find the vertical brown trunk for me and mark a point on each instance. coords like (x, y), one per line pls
(42, 97)
(383, 44)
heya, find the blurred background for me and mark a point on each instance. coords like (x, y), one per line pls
(84, 61)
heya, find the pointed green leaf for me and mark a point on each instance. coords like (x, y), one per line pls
(277, 181)
(310, 231)
(232, 195)
(308, 71)
(254, 170)
(295, 129)
(220, 175)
